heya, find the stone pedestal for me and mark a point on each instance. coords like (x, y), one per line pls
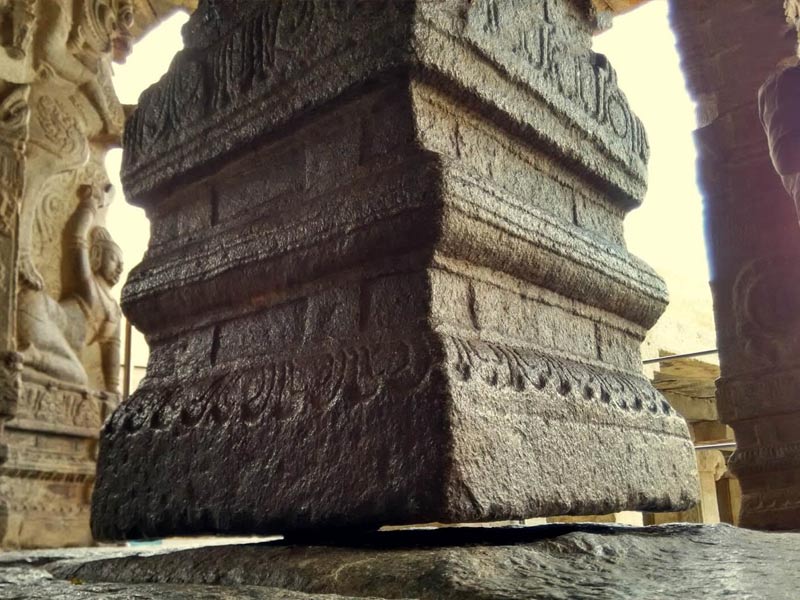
(387, 281)
(729, 49)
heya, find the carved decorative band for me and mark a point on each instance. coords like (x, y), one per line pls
(782, 500)
(758, 460)
(60, 408)
(283, 389)
(519, 369)
(252, 77)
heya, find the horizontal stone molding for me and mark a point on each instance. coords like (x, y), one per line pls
(182, 124)
(32, 463)
(775, 458)
(243, 394)
(764, 394)
(388, 215)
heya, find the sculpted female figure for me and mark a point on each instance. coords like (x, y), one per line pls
(52, 335)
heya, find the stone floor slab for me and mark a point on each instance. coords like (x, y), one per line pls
(581, 562)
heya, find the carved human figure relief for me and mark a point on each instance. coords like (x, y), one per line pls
(14, 119)
(52, 335)
(17, 19)
(72, 101)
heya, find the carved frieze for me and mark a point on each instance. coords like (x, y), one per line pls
(270, 392)
(227, 79)
(58, 117)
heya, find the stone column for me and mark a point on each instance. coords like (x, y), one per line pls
(59, 337)
(387, 281)
(729, 48)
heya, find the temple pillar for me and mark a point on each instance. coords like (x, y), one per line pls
(387, 282)
(728, 49)
(59, 336)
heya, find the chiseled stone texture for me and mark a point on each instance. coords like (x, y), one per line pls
(579, 562)
(387, 282)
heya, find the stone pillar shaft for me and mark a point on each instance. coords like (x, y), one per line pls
(729, 48)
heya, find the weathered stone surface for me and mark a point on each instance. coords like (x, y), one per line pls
(754, 244)
(59, 324)
(35, 585)
(387, 282)
(580, 562)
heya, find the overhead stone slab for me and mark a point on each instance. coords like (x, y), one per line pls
(387, 281)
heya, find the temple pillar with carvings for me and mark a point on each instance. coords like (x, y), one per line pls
(387, 281)
(59, 323)
(728, 50)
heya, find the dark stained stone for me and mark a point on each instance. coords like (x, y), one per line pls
(387, 282)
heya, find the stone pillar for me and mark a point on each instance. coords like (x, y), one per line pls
(387, 281)
(59, 337)
(729, 48)
(710, 467)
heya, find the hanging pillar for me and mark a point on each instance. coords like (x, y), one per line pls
(729, 49)
(387, 282)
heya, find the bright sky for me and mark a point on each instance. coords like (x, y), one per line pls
(128, 225)
(667, 231)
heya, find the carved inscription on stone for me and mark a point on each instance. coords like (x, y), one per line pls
(537, 46)
(281, 390)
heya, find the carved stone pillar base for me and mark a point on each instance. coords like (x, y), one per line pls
(387, 282)
(47, 465)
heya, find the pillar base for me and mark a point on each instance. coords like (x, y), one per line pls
(48, 464)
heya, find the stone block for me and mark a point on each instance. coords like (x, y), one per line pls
(582, 561)
(410, 335)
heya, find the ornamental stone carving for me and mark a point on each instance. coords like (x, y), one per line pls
(60, 325)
